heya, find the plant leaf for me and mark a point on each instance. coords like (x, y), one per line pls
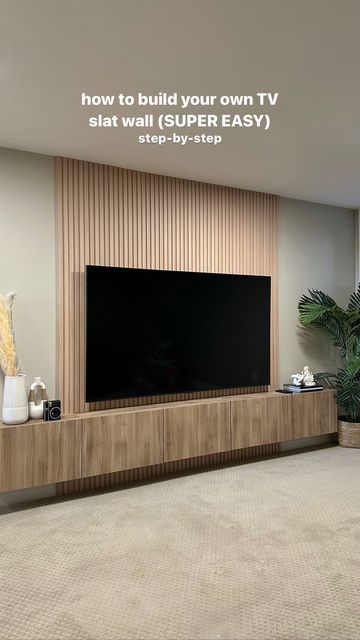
(326, 379)
(354, 303)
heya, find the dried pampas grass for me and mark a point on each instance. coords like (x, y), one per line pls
(8, 359)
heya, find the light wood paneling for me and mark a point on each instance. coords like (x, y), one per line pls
(39, 453)
(196, 430)
(312, 416)
(122, 441)
(282, 417)
(259, 421)
(116, 217)
(143, 474)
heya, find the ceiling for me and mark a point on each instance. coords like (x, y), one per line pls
(306, 50)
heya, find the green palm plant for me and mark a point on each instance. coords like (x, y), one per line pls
(343, 326)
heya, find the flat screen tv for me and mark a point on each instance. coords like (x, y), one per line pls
(152, 332)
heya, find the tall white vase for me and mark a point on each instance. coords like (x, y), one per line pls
(15, 403)
(37, 397)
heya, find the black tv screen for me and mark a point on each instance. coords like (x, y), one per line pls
(152, 332)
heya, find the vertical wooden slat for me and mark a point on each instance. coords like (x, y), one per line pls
(117, 217)
(60, 249)
(143, 474)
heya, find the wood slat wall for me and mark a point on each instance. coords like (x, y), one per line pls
(118, 217)
(144, 474)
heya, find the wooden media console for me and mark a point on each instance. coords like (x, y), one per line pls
(103, 442)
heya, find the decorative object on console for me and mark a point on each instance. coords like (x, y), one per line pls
(303, 379)
(296, 379)
(37, 397)
(319, 310)
(308, 377)
(294, 388)
(52, 410)
(8, 359)
(15, 405)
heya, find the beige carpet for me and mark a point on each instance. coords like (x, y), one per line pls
(264, 550)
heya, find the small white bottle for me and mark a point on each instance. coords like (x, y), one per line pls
(37, 397)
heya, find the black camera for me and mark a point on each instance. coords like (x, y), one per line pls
(52, 410)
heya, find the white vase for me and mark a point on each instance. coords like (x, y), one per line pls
(37, 397)
(15, 403)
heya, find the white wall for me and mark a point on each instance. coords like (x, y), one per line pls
(27, 258)
(316, 251)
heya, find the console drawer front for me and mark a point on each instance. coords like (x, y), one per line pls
(269, 419)
(196, 430)
(35, 454)
(257, 421)
(313, 414)
(122, 441)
